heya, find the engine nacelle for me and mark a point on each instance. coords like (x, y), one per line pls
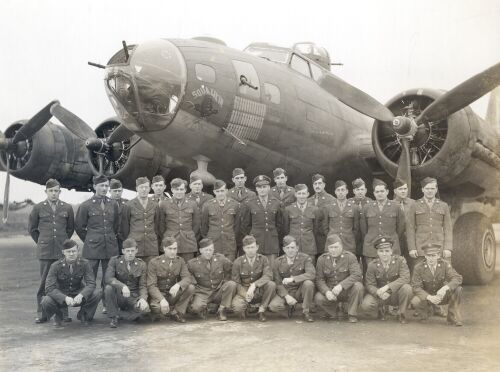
(53, 152)
(455, 150)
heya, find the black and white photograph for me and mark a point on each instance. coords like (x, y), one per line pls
(250, 185)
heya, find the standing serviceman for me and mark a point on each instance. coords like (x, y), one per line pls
(220, 221)
(360, 199)
(140, 221)
(263, 218)
(180, 218)
(239, 192)
(97, 224)
(284, 193)
(158, 185)
(405, 203)
(50, 223)
(115, 194)
(197, 195)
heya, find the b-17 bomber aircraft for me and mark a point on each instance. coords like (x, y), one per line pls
(197, 105)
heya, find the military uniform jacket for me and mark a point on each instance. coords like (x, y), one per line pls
(395, 276)
(331, 271)
(61, 282)
(375, 223)
(360, 202)
(301, 269)
(287, 192)
(424, 283)
(181, 222)
(405, 206)
(263, 223)
(429, 225)
(221, 224)
(344, 223)
(164, 273)
(118, 276)
(210, 278)
(49, 229)
(157, 199)
(259, 273)
(321, 199)
(200, 199)
(304, 226)
(142, 225)
(246, 194)
(98, 228)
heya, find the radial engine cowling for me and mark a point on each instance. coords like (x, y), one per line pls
(455, 150)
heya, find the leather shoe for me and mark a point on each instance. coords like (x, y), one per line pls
(83, 319)
(177, 318)
(262, 316)
(291, 310)
(58, 323)
(221, 314)
(308, 317)
(114, 322)
(402, 319)
(203, 314)
(454, 322)
(353, 319)
(40, 320)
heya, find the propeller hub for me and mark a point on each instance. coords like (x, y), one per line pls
(404, 126)
(95, 145)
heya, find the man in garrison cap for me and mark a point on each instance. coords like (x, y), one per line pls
(97, 224)
(70, 282)
(343, 218)
(169, 283)
(401, 197)
(435, 283)
(281, 191)
(126, 293)
(239, 192)
(254, 277)
(360, 200)
(263, 218)
(294, 275)
(180, 218)
(212, 276)
(50, 223)
(338, 279)
(387, 282)
(429, 221)
(304, 221)
(197, 195)
(220, 221)
(381, 217)
(321, 199)
(158, 185)
(115, 194)
(141, 221)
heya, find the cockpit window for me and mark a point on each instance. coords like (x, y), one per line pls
(300, 65)
(274, 55)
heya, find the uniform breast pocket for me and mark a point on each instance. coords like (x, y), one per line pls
(212, 213)
(188, 210)
(63, 214)
(231, 211)
(349, 213)
(371, 214)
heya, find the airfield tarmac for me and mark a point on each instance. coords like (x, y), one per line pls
(277, 345)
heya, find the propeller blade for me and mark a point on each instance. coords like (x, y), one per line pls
(355, 98)
(6, 194)
(462, 95)
(404, 171)
(101, 164)
(76, 125)
(34, 124)
(120, 134)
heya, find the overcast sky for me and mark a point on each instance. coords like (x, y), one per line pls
(386, 46)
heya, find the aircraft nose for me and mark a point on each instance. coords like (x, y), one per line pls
(147, 91)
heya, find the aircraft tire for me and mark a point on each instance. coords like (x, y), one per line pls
(474, 248)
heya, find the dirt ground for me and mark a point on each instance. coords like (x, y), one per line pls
(278, 345)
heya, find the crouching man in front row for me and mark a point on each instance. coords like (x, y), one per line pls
(125, 294)
(387, 281)
(169, 283)
(338, 278)
(294, 275)
(254, 277)
(70, 282)
(435, 282)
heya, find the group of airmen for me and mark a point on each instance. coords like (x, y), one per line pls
(165, 256)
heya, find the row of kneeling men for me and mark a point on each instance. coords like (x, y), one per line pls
(170, 286)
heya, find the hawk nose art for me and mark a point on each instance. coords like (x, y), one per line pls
(148, 89)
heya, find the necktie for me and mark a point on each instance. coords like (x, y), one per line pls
(341, 206)
(208, 265)
(433, 269)
(53, 206)
(71, 268)
(102, 204)
(302, 207)
(380, 207)
(282, 193)
(264, 202)
(334, 261)
(221, 204)
(197, 199)
(170, 263)
(402, 206)
(128, 266)
(239, 193)
(316, 199)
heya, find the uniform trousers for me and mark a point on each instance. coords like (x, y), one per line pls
(353, 296)
(400, 298)
(87, 307)
(179, 303)
(304, 293)
(453, 298)
(203, 296)
(262, 295)
(118, 305)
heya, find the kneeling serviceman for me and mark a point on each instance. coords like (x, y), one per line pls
(254, 277)
(387, 281)
(125, 294)
(70, 282)
(169, 282)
